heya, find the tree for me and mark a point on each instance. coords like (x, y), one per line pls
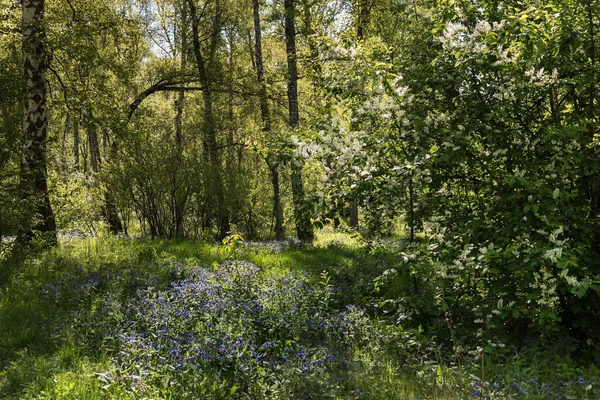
(484, 114)
(271, 158)
(180, 190)
(363, 11)
(34, 186)
(302, 213)
(206, 74)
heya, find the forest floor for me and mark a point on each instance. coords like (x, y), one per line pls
(157, 319)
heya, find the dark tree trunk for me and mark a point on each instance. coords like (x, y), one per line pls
(363, 19)
(304, 227)
(277, 209)
(109, 210)
(411, 193)
(180, 195)
(92, 132)
(353, 211)
(210, 133)
(266, 119)
(112, 215)
(34, 187)
(76, 142)
(292, 63)
(64, 157)
(84, 156)
(230, 117)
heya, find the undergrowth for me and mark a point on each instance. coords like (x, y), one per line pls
(123, 318)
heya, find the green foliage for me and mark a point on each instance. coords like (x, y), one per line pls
(122, 318)
(10, 131)
(466, 133)
(78, 201)
(468, 121)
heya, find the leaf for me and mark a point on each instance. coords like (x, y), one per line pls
(439, 374)
(595, 288)
(234, 389)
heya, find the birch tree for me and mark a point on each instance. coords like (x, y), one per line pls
(34, 186)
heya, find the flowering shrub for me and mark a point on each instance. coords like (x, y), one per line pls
(480, 129)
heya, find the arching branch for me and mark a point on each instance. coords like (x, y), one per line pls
(165, 84)
(179, 83)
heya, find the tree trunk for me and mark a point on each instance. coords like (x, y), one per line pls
(63, 150)
(76, 142)
(179, 103)
(266, 119)
(109, 210)
(315, 64)
(84, 156)
(92, 132)
(353, 211)
(34, 187)
(210, 134)
(231, 118)
(277, 209)
(363, 18)
(264, 105)
(179, 198)
(304, 227)
(112, 215)
(364, 14)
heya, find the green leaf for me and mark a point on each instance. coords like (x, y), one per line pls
(234, 389)
(595, 288)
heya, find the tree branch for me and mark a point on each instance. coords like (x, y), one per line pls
(62, 85)
(166, 85)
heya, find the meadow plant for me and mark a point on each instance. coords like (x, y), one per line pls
(227, 329)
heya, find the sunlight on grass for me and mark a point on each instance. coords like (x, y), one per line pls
(123, 318)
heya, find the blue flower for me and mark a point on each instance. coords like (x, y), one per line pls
(266, 345)
(546, 387)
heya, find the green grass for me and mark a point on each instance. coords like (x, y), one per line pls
(50, 349)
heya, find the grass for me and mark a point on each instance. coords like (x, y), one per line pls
(122, 318)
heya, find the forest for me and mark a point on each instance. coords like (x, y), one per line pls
(299, 199)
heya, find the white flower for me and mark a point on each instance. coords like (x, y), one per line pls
(452, 34)
(553, 254)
